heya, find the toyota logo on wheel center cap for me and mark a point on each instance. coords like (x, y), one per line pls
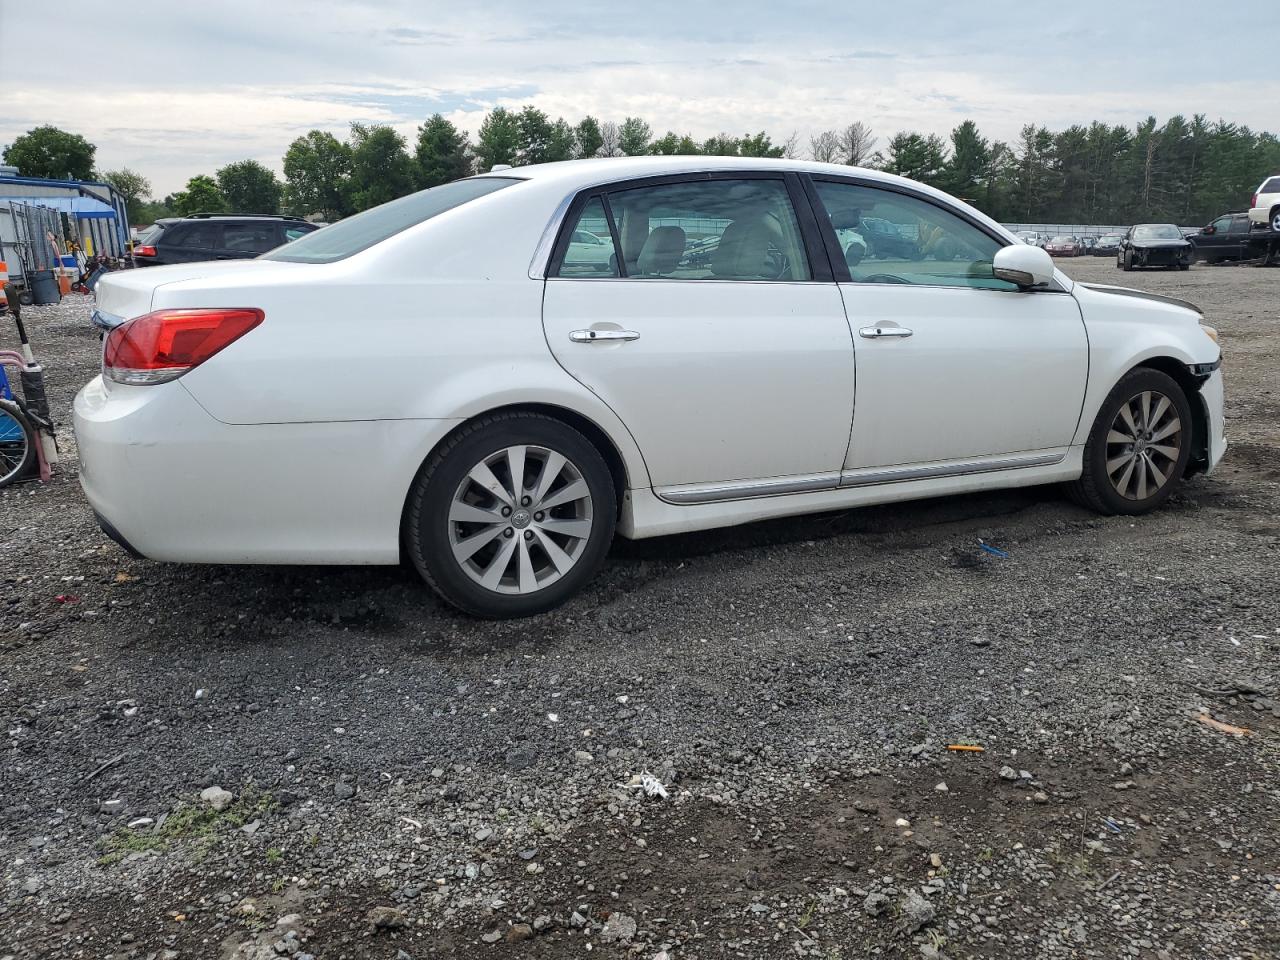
(520, 519)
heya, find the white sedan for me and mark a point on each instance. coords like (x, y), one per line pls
(400, 385)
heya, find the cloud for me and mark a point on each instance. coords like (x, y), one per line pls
(204, 85)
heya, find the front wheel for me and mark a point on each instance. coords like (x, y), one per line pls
(1139, 446)
(1126, 262)
(512, 516)
(1275, 220)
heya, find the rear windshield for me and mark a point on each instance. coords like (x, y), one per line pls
(363, 230)
(1271, 186)
(148, 234)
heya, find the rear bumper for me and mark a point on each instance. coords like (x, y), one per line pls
(169, 482)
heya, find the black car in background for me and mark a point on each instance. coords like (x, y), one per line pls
(215, 236)
(1154, 245)
(1227, 238)
(1107, 244)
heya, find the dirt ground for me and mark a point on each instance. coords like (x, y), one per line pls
(404, 782)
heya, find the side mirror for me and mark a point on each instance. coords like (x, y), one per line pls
(1028, 267)
(1209, 231)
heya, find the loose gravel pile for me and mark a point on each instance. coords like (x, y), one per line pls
(733, 744)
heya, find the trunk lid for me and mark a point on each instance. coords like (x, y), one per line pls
(124, 294)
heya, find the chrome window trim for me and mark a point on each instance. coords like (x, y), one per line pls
(691, 493)
(929, 471)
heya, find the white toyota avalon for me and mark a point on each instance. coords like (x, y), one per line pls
(495, 376)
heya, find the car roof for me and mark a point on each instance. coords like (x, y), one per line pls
(582, 173)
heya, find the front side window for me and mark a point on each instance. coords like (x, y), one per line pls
(1222, 225)
(890, 237)
(359, 232)
(706, 230)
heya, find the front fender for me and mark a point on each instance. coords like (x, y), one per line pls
(1128, 328)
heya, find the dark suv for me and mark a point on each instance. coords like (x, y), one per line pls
(215, 236)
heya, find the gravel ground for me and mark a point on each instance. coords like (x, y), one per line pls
(396, 781)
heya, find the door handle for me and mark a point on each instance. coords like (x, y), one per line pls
(872, 333)
(590, 336)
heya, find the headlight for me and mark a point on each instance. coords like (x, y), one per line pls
(1212, 332)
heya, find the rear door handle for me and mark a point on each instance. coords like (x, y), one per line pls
(872, 333)
(590, 336)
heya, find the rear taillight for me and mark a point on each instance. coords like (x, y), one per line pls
(144, 251)
(1254, 201)
(162, 346)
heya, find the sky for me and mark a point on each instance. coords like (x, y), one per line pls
(173, 89)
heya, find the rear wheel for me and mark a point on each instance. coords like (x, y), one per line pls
(1275, 219)
(17, 444)
(512, 516)
(1138, 448)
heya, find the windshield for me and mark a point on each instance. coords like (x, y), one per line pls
(1063, 240)
(1110, 238)
(363, 230)
(1157, 231)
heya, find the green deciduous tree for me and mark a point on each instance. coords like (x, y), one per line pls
(759, 145)
(249, 187)
(133, 186)
(721, 145)
(201, 196)
(672, 144)
(441, 153)
(50, 152)
(317, 170)
(380, 166)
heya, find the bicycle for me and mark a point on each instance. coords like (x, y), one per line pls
(28, 445)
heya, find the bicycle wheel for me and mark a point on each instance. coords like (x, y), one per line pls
(17, 444)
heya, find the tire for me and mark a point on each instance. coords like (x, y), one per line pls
(1127, 261)
(1184, 266)
(17, 454)
(1274, 219)
(1123, 490)
(514, 539)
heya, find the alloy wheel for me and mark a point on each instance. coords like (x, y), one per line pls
(1143, 445)
(1275, 221)
(520, 519)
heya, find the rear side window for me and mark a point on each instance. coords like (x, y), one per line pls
(590, 251)
(247, 237)
(1271, 186)
(350, 236)
(696, 230)
(192, 236)
(293, 233)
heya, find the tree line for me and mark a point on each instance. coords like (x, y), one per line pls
(1182, 171)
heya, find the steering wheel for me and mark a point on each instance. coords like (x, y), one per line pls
(883, 278)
